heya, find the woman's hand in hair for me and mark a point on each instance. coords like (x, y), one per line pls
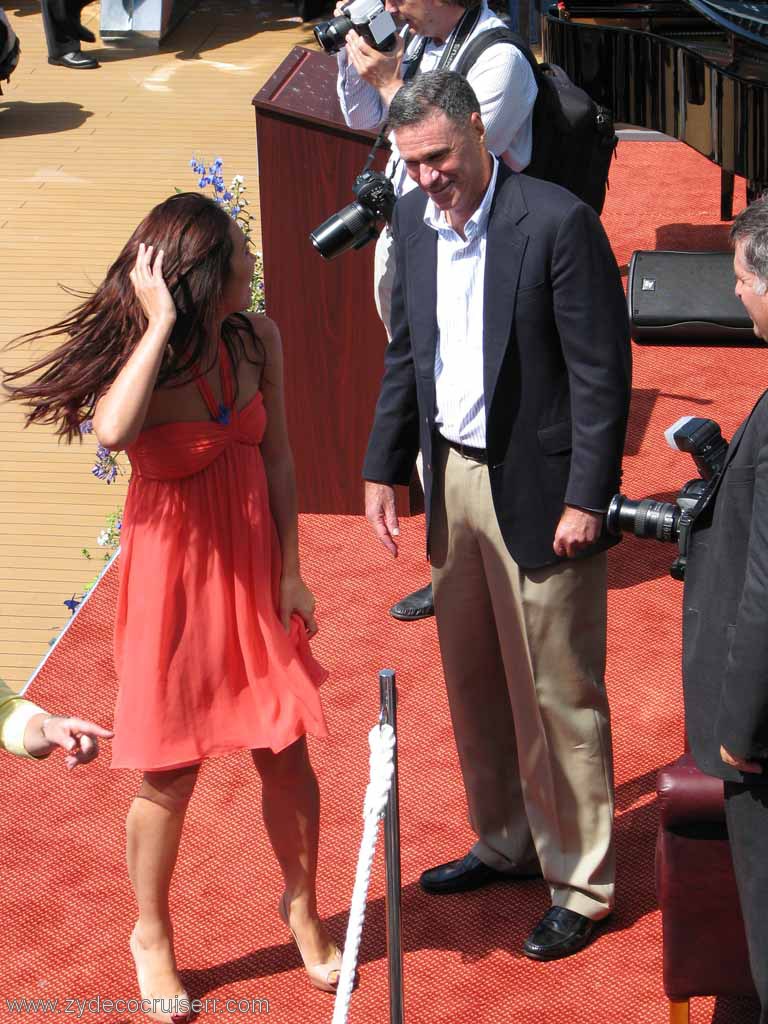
(150, 287)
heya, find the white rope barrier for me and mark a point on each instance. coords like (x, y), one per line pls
(381, 740)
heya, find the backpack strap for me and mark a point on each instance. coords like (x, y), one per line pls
(490, 37)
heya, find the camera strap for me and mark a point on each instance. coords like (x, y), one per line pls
(459, 35)
(461, 31)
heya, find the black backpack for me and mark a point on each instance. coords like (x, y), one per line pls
(573, 137)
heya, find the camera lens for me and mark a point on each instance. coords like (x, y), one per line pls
(645, 518)
(350, 228)
(331, 34)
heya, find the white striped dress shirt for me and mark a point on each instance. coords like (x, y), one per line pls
(459, 350)
(503, 83)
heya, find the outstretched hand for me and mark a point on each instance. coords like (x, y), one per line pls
(150, 287)
(77, 737)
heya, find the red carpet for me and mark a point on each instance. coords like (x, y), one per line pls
(68, 911)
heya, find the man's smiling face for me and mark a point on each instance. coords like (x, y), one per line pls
(449, 162)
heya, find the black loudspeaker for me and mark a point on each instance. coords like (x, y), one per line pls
(686, 298)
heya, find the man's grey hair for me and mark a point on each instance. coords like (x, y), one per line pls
(422, 96)
(751, 229)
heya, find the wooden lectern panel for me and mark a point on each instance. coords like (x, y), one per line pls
(334, 341)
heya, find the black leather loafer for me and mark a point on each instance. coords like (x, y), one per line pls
(559, 933)
(76, 59)
(418, 605)
(468, 873)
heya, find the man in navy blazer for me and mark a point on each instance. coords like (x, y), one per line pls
(509, 367)
(725, 622)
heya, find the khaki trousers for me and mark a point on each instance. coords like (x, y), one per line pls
(524, 658)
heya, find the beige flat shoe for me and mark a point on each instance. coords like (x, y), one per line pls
(324, 976)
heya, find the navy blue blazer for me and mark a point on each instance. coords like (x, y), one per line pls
(556, 361)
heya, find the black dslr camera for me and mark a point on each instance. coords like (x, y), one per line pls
(368, 18)
(664, 520)
(361, 221)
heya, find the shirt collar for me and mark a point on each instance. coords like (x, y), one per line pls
(477, 223)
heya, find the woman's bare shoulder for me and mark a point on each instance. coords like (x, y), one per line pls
(267, 333)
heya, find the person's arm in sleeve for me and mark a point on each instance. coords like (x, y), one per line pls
(28, 731)
(742, 723)
(361, 105)
(366, 81)
(15, 715)
(591, 317)
(506, 91)
(394, 441)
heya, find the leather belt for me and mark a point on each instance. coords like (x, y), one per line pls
(467, 451)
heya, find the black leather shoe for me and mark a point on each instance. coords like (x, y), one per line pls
(418, 605)
(559, 933)
(468, 873)
(76, 59)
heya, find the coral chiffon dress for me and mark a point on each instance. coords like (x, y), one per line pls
(203, 662)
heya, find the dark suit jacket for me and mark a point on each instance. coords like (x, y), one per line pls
(556, 361)
(725, 612)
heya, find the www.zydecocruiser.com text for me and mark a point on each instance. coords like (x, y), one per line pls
(80, 1008)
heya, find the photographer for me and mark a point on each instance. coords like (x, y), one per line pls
(725, 622)
(435, 34)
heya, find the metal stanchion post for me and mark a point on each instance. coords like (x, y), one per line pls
(388, 716)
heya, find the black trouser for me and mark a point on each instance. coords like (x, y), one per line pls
(746, 811)
(59, 20)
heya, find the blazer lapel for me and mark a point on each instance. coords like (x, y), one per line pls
(422, 305)
(505, 248)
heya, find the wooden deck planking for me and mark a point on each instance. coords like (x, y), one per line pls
(85, 156)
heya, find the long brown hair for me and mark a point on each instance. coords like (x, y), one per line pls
(102, 332)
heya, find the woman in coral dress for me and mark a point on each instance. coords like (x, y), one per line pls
(213, 617)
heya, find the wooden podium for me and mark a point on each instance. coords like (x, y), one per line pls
(333, 339)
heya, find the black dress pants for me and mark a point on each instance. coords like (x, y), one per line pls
(60, 17)
(746, 811)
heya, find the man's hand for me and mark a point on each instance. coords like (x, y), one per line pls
(750, 767)
(578, 529)
(381, 70)
(380, 513)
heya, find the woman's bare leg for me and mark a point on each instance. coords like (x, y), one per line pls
(291, 809)
(153, 830)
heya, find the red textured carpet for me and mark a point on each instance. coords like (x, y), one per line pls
(67, 910)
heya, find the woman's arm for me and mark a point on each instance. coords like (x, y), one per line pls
(281, 480)
(121, 411)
